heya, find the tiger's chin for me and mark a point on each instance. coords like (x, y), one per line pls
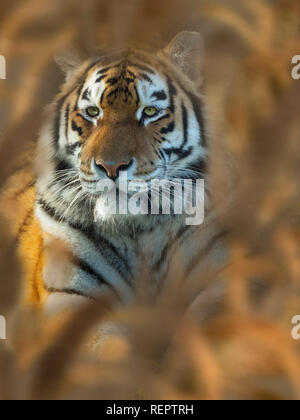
(113, 208)
(104, 209)
(114, 223)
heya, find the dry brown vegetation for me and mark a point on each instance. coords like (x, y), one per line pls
(241, 347)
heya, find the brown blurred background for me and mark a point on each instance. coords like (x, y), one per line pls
(245, 350)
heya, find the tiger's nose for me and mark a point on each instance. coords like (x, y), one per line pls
(113, 169)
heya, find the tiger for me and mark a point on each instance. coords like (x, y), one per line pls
(132, 110)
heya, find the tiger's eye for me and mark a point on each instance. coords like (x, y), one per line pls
(150, 111)
(93, 111)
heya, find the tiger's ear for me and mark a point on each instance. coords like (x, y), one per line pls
(68, 61)
(186, 51)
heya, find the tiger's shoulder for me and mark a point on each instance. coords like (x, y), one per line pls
(17, 204)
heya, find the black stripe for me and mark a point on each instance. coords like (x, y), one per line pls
(129, 80)
(113, 92)
(134, 76)
(159, 95)
(197, 108)
(85, 94)
(200, 166)
(182, 154)
(185, 125)
(105, 70)
(79, 92)
(112, 81)
(82, 117)
(102, 95)
(100, 79)
(86, 268)
(67, 113)
(25, 224)
(68, 292)
(145, 77)
(76, 128)
(169, 246)
(62, 165)
(164, 117)
(199, 115)
(169, 129)
(172, 94)
(137, 95)
(102, 71)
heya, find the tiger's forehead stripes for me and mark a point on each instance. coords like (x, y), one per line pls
(125, 81)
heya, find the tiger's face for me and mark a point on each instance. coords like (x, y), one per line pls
(135, 112)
